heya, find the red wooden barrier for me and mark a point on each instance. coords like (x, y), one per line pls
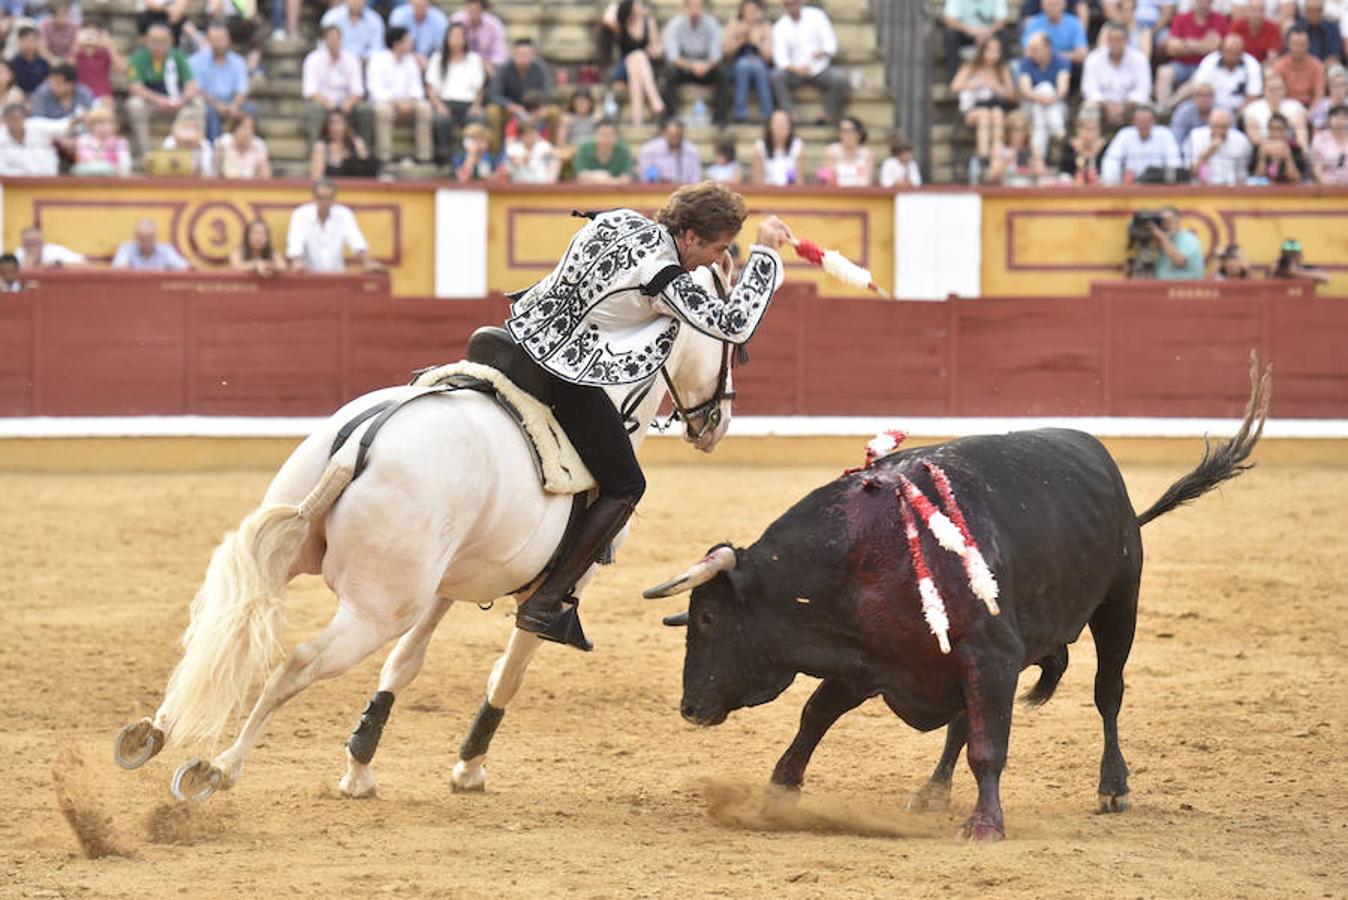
(111, 343)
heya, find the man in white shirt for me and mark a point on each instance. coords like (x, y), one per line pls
(1234, 74)
(1141, 146)
(35, 253)
(1217, 153)
(322, 231)
(803, 47)
(1116, 76)
(27, 145)
(333, 82)
(397, 91)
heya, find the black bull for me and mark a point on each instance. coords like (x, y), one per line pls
(829, 590)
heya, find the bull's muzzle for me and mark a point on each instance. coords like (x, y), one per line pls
(702, 718)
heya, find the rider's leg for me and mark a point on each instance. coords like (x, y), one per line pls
(596, 429)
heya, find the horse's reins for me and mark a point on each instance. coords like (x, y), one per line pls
(709, 410)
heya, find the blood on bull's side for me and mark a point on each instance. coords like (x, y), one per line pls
(832, 590)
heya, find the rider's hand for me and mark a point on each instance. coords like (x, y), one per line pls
(772, 232)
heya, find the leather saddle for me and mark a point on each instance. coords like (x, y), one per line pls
(494, 347)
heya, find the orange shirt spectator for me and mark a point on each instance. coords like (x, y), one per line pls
(1303, 74)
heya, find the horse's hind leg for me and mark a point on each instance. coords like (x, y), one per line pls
(347, 640)
(400, 668)
(507, 675)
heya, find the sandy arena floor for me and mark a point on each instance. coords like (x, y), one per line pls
(1234, 725)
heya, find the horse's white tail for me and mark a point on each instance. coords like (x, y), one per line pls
(231, 642)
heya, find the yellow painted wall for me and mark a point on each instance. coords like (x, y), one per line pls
(1034, 243)
(529, 231)
(205, 220)
(1057, 242)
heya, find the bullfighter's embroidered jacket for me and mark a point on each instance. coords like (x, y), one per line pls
(588, 321)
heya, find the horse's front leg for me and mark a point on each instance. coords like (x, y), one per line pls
(470, 773)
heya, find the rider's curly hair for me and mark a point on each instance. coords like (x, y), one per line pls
(709, 208)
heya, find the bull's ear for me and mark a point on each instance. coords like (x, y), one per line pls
(678, 620)
(720, 559)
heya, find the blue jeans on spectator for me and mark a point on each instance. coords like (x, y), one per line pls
(214, 125)
(746, 69)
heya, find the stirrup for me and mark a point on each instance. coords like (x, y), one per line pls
(563, 627)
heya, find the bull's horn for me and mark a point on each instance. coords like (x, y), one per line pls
(678, 620)
(722, 559)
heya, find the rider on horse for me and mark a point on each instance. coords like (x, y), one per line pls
(608, 315)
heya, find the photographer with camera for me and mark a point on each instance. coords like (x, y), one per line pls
(1159, 248)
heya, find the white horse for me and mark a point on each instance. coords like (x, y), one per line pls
(448, 510)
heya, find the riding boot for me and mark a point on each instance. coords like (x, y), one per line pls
(550, 612)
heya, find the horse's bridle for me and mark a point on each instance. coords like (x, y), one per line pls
(709, 410)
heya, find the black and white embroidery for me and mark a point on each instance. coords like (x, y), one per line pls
(559, 321)
(735, 318)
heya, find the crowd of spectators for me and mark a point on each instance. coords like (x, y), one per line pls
(1223, 92)
(60, 112)
(448, 78)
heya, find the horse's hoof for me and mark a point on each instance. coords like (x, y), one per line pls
(358, 785)
(932, 797)
(196, 779)
(468, 781)
(137, 743)
(981, 831)
(1114, 803)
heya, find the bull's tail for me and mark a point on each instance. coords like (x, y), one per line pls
(1226, 461)
(232, 640)
(1051, 669)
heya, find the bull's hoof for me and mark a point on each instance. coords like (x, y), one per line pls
(468, 780)
(196, 779)
(1114, 803)
(934, 796)
(777, 796)
(980, 830)
(137, 743)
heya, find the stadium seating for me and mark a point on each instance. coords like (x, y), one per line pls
(566, 32)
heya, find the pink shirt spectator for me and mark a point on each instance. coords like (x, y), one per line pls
(93, 69)
(336, 79)
(59, 37)
(1332, 158)
(488, 39)
(102, 156)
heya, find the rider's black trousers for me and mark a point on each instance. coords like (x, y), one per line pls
(596, 429)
